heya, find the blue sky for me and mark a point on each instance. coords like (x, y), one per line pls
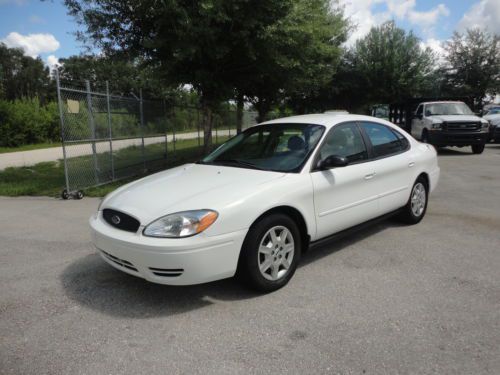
(43, 28)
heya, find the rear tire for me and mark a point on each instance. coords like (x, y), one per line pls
(270, 253)
(477, 149)
(414, 210)
(425, 136)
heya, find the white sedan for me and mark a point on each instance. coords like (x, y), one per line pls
(261, 199)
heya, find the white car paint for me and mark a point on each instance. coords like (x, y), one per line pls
(328, 201)
(493, 119)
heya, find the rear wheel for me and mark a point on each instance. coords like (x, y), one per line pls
(477, 149)
(416, 206)
(270, 253)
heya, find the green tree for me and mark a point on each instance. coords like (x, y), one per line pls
(390, 65)
(197, 43)
(473, 64)
(22, 76)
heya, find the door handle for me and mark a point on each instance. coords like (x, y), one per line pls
(370, 176)
(411, 164)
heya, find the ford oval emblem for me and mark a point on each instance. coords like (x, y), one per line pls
(116, 219)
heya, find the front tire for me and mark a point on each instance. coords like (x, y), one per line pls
(414, 210)
(477, 149)
(270, 253)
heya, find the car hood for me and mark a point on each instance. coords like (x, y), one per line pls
(188, 187)
(494, 118)
(455, 118)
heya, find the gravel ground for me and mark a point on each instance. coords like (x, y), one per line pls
(392, 299)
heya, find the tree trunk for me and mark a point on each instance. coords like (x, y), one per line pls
(263, 109)
(239, 113)
(207, 120)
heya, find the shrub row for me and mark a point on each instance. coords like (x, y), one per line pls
(26, 121)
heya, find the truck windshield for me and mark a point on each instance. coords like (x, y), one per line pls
(447, 109)
(276, 147)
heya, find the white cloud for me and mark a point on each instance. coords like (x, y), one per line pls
(52, 62)
(32, 44)
(362, 16)
(484, 14)
(437, 46)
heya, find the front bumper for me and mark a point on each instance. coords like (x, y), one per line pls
(179, 261)
(453, 138)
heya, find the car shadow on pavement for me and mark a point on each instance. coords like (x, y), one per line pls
(339, 243)
(93, 283)
(454, 151)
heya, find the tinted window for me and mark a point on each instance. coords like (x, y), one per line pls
(420, 109)
(402, 139)
(383, 139)
(344, 140)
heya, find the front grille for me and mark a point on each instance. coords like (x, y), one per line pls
(120, 220)
(462, 126)
(165, 272)
(120, 262)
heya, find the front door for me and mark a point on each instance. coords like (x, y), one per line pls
(344, 196)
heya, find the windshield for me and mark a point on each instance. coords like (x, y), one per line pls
(447, 109)
(276, 147)
(494, 111)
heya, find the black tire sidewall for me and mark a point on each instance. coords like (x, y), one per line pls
(248, 267)
(408, 214)
(477, 149)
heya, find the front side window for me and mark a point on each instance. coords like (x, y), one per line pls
(344, 140)
(274, 147)
(383, 139)
(420, 110)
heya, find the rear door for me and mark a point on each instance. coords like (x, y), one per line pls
(393, 165)
(344, 196)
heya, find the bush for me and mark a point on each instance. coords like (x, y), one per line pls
(26, 121)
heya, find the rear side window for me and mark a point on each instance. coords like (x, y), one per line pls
(384, 140)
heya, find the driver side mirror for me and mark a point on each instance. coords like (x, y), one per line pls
(332, 161)
(419, 116)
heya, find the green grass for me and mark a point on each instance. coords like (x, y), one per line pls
(48, 178)
(38, 146)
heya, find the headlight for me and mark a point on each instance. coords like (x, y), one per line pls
(485, 125)
(181, 224)
(437, 126)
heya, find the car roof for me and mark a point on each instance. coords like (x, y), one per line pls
(326, 119)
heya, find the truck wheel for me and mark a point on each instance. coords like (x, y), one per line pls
(416, 207)
(425, 136)
(477, 149)
(270, 253)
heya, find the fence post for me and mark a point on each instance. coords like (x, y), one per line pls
(63, 139)
(110, 132)
(92, 130)
(173, 132)
(166, 131)
(198, 125)
(141, 114)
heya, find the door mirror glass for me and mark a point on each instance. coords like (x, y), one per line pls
(332, 161)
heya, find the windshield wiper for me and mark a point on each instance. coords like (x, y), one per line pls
(236, 161)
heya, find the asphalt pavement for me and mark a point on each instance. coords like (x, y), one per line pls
(392, 299)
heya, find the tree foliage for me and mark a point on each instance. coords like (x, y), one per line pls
(391, 64)
(22, 76)
(473, 64)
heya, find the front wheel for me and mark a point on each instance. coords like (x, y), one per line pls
(416, 206)
(477, 149)
(270, 253)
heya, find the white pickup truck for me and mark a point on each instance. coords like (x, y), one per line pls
(447, 123)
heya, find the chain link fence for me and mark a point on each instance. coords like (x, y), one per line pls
(106, 137)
